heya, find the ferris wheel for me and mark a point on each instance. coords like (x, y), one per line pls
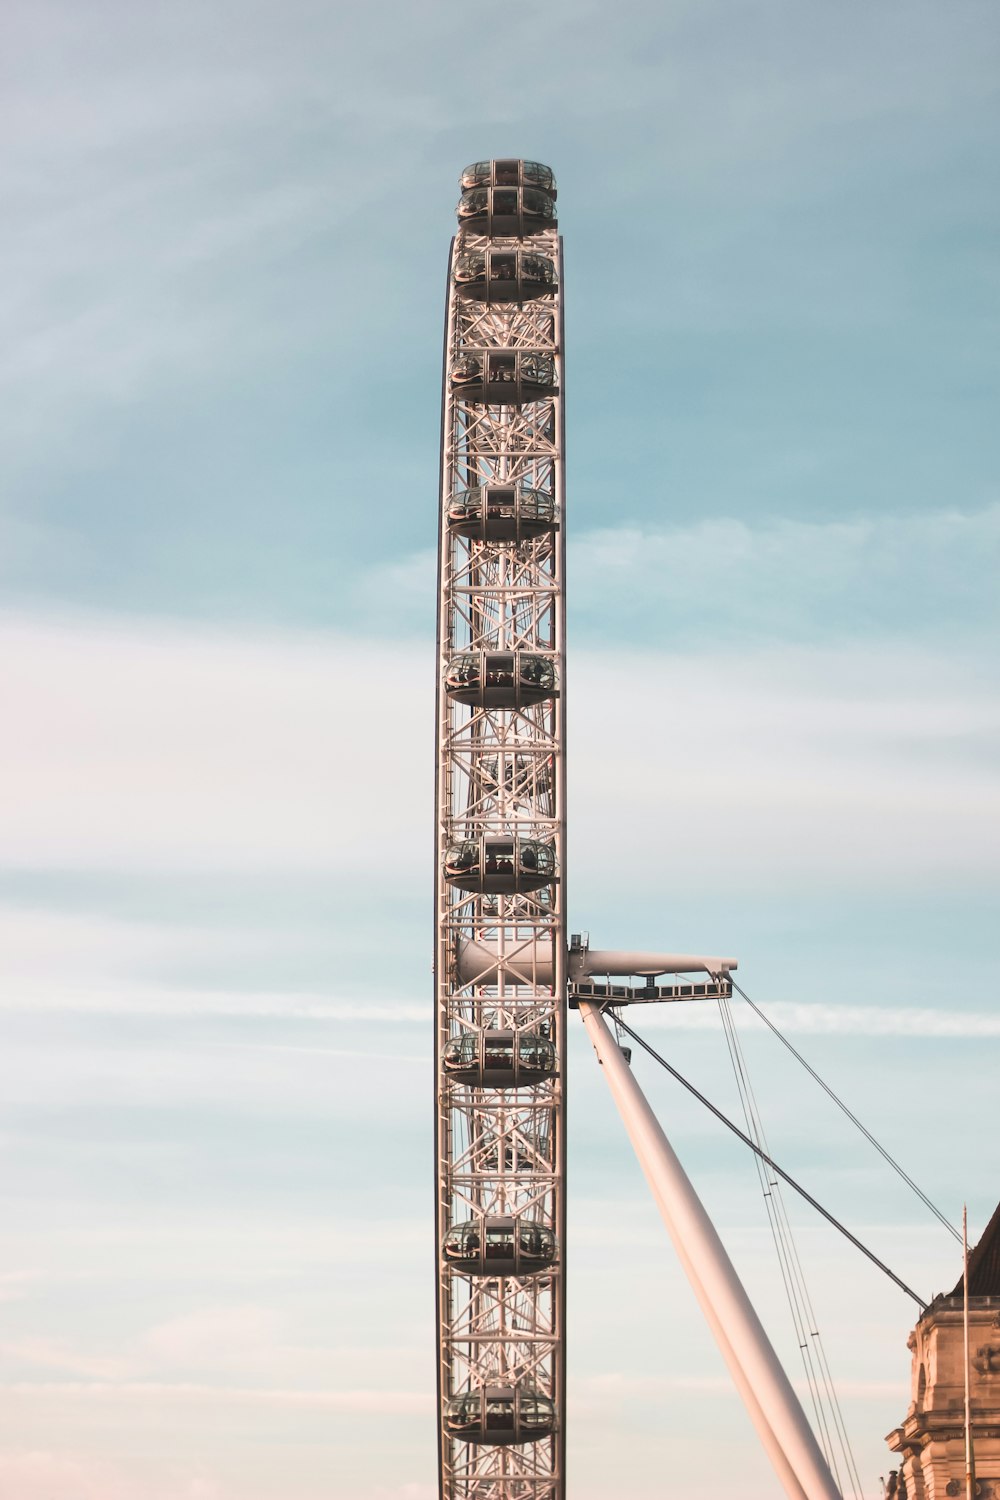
(500, 911)
(506, 969)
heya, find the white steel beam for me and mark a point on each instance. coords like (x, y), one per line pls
(770, 1400)
(531, 962)
(501, 787)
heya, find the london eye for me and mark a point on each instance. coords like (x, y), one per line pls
(500, 821)
(506, 970)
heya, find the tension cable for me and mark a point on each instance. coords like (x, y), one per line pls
(830, 1425)
(730, 1125)
(849, 1113)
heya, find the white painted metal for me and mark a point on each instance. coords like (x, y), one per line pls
(765, 1432)
(766, 1390)
(610, 961)
(502, 962)
(970, 1470)
(532, 959)
(500, 775)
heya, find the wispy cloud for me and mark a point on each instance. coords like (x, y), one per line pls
(771, 766)
(372, 1403)
(53, 961)
(218, 212)
(832, 1020)
(56, 1354)
(881, 574)
(925, 576)
(16, 1284)
(138, 224)
(597, 1392)
(179, 750)
(166, 749)
(42, 1474)
(122, 996)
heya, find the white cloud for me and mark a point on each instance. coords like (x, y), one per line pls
(917, 573)
(780, 765)
(86, 962)
(159, 748)
(404, 586)
(328, 1084)
(186, 1000)
(56, 1354)
(169, 749)
(179, 160)
(18, 1284)
(40, 1474)
(210, 1336)
(232, 1247)
(58, 961)
(374, 1403)
(597, 1393)
(43, 1474)
(408, 1492)
(829, 1020)
(271, 1350)
(153, 172)
(616, 1385)
(77, 946)
(143, 149)
(142, 745)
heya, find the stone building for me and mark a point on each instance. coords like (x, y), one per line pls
(931, 1441)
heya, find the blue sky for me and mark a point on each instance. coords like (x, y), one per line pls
(224, 258)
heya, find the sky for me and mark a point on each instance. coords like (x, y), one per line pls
(226, 236)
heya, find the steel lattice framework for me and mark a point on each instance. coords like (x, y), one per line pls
(500, 817)
(504, 972)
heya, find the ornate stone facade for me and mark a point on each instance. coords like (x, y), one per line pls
(931, 1440)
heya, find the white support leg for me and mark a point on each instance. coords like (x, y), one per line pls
(765, 1432)
(772, 1404)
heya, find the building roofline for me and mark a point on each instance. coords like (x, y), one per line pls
(984, 1262)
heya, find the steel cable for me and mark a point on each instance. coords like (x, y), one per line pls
(818, 1373)
(785, 1176)
(767, 1183)
(849, 1113)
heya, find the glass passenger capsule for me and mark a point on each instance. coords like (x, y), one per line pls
(500, 1414)
(501, 679)
(494, 1246)
(508, 171)
(503, 275)
(496, 513)
(506, 212)
(501, 864)
(504, 377)
(496, 1059)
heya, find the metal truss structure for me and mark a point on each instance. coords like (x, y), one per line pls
(500, 816)
(504, 970)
